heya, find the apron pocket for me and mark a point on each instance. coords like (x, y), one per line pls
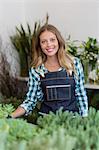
(58, 92)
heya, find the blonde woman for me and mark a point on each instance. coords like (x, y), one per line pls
(56, 78)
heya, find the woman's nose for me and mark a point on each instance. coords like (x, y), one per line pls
(48, 43)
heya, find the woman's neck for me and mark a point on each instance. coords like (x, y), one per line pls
(52, 64)
(52, 60)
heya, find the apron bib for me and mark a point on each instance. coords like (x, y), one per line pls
(59, 91)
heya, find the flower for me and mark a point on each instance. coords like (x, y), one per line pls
(90, 51)
(93, 75)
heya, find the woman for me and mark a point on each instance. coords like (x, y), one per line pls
(56, 78)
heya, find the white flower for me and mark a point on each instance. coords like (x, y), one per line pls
(93, 75)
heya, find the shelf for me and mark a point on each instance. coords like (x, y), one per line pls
(92, 86)
(87, 86)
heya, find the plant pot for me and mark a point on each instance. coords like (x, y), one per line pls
(86, 69)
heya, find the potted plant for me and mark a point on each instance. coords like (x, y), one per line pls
(87, 51)
(90, 51)
(89, 55)
(23, 41)
(73, 46)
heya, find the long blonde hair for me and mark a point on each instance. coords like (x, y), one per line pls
(65, 59)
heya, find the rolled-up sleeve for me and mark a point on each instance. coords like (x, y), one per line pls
(80, 91)
(34, 93)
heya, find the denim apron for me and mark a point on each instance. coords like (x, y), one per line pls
(59, 91)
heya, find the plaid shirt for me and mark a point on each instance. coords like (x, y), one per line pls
(35, 94)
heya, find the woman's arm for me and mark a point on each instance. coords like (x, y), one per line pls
(80, 89)
(18, 112)
(34, 93)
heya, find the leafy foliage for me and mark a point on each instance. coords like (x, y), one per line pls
(23, 41)
(4, 75)
(90, 51)
(5, 109)
(72, 46)
(87, 51)
(57, 131)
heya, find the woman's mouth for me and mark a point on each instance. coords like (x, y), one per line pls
(50, 50)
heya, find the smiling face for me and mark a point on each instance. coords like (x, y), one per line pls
(49, 43)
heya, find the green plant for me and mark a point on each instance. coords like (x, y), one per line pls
(90, 51)
(23, 41)
(72, 46)
(57, 131)
(4, 75)
(87, 51)
(6, 109)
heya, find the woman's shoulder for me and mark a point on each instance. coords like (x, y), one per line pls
(78, 65)
(40, 70)
(76, 61)
(33, 74)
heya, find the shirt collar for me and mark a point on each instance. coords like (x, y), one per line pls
(42, 70)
